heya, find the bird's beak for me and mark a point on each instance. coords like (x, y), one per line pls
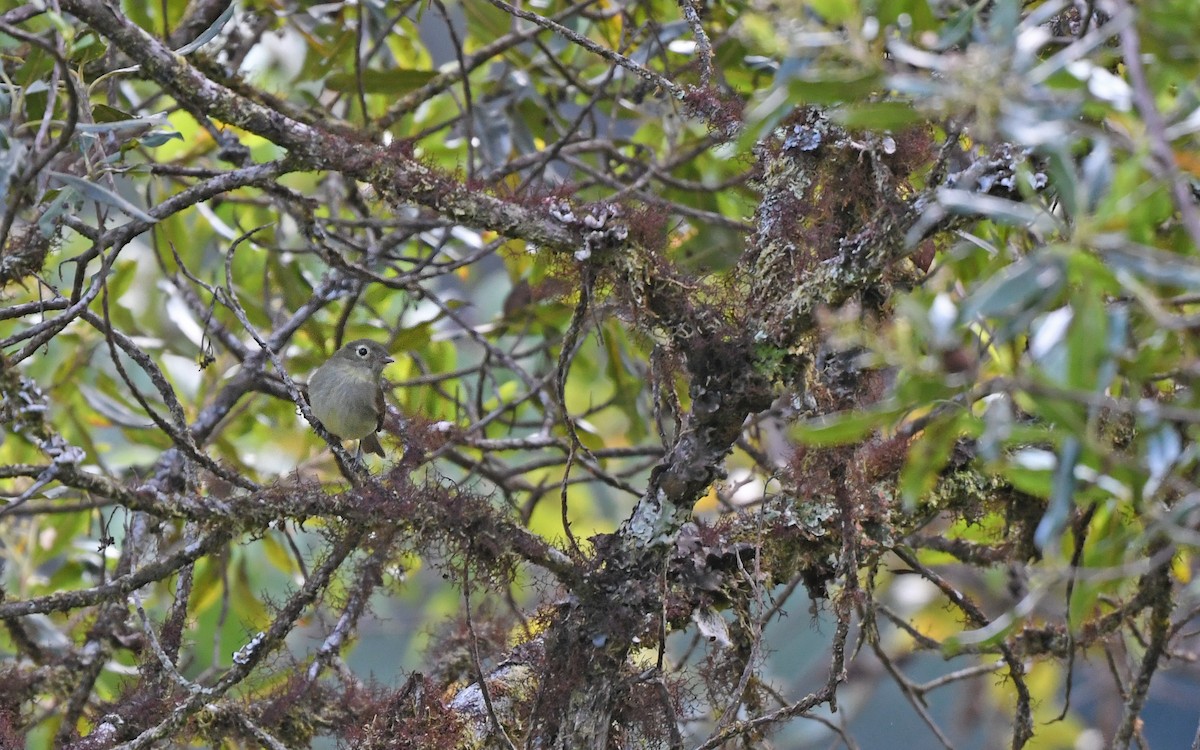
(388, 360)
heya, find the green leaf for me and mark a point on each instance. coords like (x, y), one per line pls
(103, 195)
(1062, 494)
(1029, 470)
(277, 554)
(1026, 284)
(1150, 263)
(843, 427)
(157, 138)
(999, 210)
(395, 82)
(878, 116)
(1064, 414)
(35, 66)
(102, 113)
(832, 88)
(1087, 340)
(1097, 173)
(210, 33)
(957, 29)
(926, 457)
(414, 337)
(86, 47)
(1060, 168)
(835, 11)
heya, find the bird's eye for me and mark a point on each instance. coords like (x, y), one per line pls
(363, 351)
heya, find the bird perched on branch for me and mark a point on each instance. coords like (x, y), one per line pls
(346, 393)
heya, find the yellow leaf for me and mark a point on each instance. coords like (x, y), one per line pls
(1181, 566)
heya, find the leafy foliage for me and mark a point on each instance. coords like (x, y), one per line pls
(694, 304)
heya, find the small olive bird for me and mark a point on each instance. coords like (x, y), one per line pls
(346, 393)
